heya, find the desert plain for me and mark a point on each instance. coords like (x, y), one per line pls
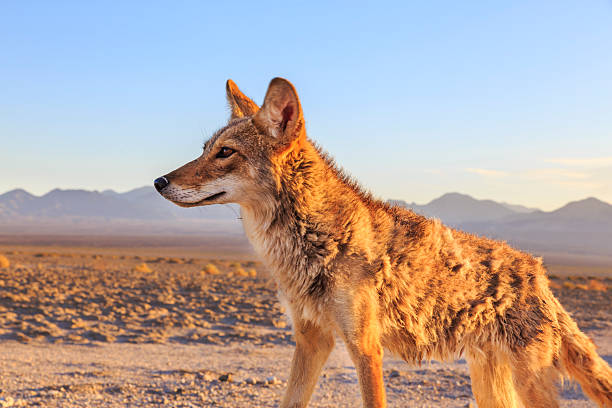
(177, 322)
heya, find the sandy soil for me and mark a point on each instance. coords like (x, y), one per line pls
(80, 329)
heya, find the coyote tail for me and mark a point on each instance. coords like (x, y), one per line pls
(581, 361)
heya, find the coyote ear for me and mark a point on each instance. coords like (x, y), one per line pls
(240, 104)
(281, 112)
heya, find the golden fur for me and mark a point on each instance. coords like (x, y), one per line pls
(383, 277)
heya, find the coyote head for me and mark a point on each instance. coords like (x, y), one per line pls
(239, 161)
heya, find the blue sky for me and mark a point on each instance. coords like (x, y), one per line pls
(504, 100)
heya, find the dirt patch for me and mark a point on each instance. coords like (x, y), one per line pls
(93, 298)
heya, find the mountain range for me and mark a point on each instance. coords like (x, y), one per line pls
(142, 203)
(583, 226)
(138, 212)
(456, 208)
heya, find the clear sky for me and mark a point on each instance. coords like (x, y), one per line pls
(504, 100)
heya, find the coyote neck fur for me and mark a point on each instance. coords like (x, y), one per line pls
(307, 222)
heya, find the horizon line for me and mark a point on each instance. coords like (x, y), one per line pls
(385, 200)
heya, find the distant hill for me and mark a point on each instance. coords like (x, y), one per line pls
(588, 209)
(15, 201)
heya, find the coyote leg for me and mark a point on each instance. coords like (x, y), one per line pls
(535, 376)
(368, 361)
(313, 346)
(363, 339)
(491, 377)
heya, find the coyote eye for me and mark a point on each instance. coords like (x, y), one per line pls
(225, 152)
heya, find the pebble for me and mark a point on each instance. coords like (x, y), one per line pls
(272, 381)
(394, 374)
(226, 377)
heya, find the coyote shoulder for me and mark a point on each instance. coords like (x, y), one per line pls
(382, 277)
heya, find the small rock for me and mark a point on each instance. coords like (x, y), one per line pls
(394, 374)
(226, 377)
(272, 381)
(251, 381)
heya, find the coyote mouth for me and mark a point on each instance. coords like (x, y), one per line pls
(205, 200)
(212, 197)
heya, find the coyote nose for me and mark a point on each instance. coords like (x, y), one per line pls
(160, 183)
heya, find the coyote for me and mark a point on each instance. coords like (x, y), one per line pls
(382, 277)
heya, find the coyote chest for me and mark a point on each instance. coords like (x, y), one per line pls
(303, 280)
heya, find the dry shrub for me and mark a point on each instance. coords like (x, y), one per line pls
(571, 285)
(554, 285)
(252, 272)
(46, 255)
(142, 268)
(597, 285)
(4, 262)
(235, 265)
(241, 272)
(210, 269)
(174, 261)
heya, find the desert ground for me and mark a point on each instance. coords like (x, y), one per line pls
(100, 322)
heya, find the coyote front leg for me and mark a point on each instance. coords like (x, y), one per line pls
(368, 361)
(312, 347)
(361, 332)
